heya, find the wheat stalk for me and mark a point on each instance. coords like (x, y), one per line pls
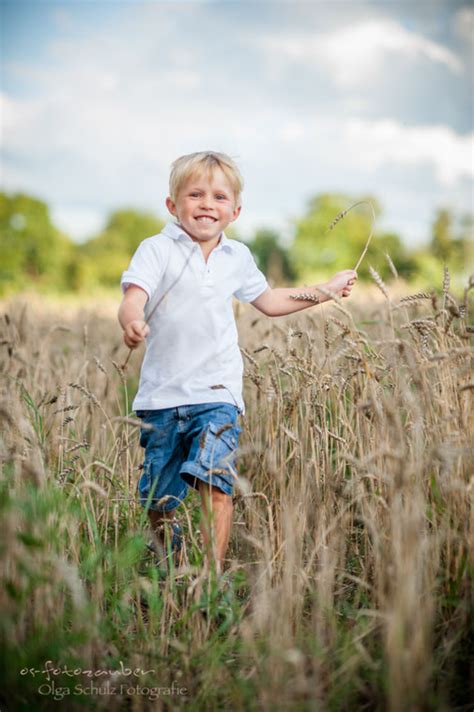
(163, 296)
(342, 215)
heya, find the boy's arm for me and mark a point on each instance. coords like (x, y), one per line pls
(131, 316)
(278, 302)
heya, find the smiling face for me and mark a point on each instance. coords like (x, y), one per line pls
(205, 205)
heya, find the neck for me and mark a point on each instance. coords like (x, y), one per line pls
(207, 247)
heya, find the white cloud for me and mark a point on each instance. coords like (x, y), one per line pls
(450, 155)
(464, 24)
(16, 116)
(111, 110)
(78, 153)
(359, 53)
(292, 131)
(364, 146)
(77, 221)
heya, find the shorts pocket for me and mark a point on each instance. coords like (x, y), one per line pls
(218, 447)
(162, 489)
(145, 482)
(142, 413)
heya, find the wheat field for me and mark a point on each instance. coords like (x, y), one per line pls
(351, 554)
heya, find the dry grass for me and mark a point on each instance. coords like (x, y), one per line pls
(352, 545)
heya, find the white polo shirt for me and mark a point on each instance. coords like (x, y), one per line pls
(193, 340)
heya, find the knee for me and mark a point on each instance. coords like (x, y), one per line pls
(217, 496)
(221, 498)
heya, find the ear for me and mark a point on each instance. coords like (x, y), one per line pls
(236, 213)
(171, 206)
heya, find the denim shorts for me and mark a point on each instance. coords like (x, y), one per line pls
(185, 445)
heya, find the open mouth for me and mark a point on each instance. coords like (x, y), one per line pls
(205, 219)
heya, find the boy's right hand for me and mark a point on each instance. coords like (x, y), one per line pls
(135, 332)
(342, 282)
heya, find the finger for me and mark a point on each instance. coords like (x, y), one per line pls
(139, 332)
(131, 335)
(142, 332)
(131, 340)
(137, 329)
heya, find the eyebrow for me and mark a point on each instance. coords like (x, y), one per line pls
(193, 189)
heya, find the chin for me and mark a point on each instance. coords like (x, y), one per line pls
(208, 238)
(209, 235)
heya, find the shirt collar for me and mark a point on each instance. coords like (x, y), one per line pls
(176, 232)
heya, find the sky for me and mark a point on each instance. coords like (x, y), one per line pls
(99, 97)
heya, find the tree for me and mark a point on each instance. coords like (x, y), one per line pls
(452, 241)
(271, 257)
(389, 243)
(442, 235)
(108, 254)
(317, 251)
(34, 252)
(463, 244)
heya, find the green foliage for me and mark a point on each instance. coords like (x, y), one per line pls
(37, 579)
(441, 241)
(36, 255)
(106, 256)
(451, 243)
(318, 251)
(272, 258)
(34, 252)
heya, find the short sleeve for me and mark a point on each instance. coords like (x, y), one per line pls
(253, 283)
(147, 266)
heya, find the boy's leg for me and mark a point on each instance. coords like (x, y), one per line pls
(161, 528)
(160, 480)
(216, 523)
(158, 521)
(212, 440)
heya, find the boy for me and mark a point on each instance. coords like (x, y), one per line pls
(190, 391)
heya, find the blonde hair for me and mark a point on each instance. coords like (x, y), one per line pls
(193, 164)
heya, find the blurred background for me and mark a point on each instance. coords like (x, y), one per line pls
(320, 103)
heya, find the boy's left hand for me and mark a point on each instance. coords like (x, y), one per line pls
(342, 282)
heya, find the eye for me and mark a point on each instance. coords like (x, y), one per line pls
(221, 197)
(194, 194)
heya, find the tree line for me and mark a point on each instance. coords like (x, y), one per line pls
(35, 254)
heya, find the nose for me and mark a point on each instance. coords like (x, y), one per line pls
(206, 202)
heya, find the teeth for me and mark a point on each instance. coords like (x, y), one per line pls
(206, 220)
